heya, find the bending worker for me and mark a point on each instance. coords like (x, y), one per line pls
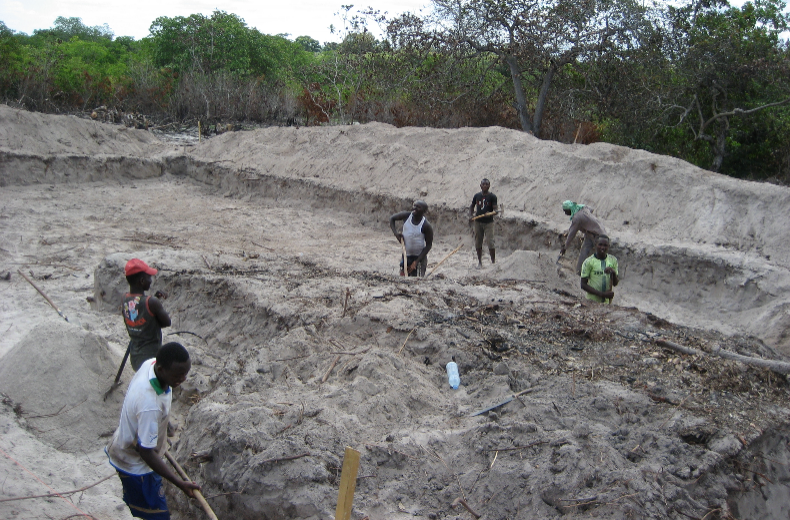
(600, 273)
(138, 444)
(417, 235)
(581, 220)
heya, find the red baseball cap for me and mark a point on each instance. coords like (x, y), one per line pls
(135, 265)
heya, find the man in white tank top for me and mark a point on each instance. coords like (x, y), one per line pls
(417, 235)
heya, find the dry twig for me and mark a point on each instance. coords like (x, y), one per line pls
(461, 501)
(280, 459)
(407, 339)
(326, 376)
(50, 495)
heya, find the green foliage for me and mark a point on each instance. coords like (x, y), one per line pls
(308, 44)
(221, 42)
(65, 29)
(200, 43)
(10, 58)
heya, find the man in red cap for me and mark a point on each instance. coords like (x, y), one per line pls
(144, 315)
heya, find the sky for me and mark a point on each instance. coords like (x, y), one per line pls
(134, 17)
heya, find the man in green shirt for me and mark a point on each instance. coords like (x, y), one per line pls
(600, 273)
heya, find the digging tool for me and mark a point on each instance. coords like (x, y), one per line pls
(445, 258)
(558, 259)
(117, 381)
(489, 214)
(43, 294)
(502, 403)
(405, 265)
(198, 495)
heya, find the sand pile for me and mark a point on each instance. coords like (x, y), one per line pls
(57, 376)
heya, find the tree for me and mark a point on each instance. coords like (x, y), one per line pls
(65, 29)
(205, 44)
(733, 65)
(10, 61)
(308, 44)
(534, 39)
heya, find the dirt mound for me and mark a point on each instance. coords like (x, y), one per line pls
(639, 195)
(31, 133)
(57, 376)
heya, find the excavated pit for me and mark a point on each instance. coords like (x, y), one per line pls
(274, 248)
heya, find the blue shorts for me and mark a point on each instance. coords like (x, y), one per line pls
(144, 495)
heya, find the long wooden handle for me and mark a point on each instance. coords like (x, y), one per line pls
(405, 265)
(198, 494)
(42, 294)
(451, 253)
(489, 214)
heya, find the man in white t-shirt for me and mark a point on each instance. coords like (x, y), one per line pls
(136, 449)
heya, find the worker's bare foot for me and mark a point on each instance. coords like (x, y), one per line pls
(172, 427)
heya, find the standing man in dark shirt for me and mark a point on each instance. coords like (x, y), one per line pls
(145, 317)
(482, 212)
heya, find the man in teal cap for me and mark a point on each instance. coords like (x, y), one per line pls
(581, 220)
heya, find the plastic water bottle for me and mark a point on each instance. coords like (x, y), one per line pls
(452, 375)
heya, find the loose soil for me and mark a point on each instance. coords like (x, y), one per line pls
(274, 248)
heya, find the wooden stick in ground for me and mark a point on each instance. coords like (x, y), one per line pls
(345, 302)
(451, 253)
(348, 484)
(198, 494)
(326, 376)
(42, 294)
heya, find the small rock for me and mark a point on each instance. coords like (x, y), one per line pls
(728, 445)
(501, 369)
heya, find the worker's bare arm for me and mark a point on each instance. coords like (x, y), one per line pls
(575, 225)
(611, 272)
(427, 231)
(156, 463)
(159, 312)
(403, 215)
(586, 287)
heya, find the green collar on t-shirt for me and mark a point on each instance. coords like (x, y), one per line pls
(158, 386)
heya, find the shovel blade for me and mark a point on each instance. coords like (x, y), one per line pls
(111, 389)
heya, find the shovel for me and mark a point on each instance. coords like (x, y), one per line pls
(502, 403)
(117, 381)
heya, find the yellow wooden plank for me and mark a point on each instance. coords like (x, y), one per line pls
(348, 483)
